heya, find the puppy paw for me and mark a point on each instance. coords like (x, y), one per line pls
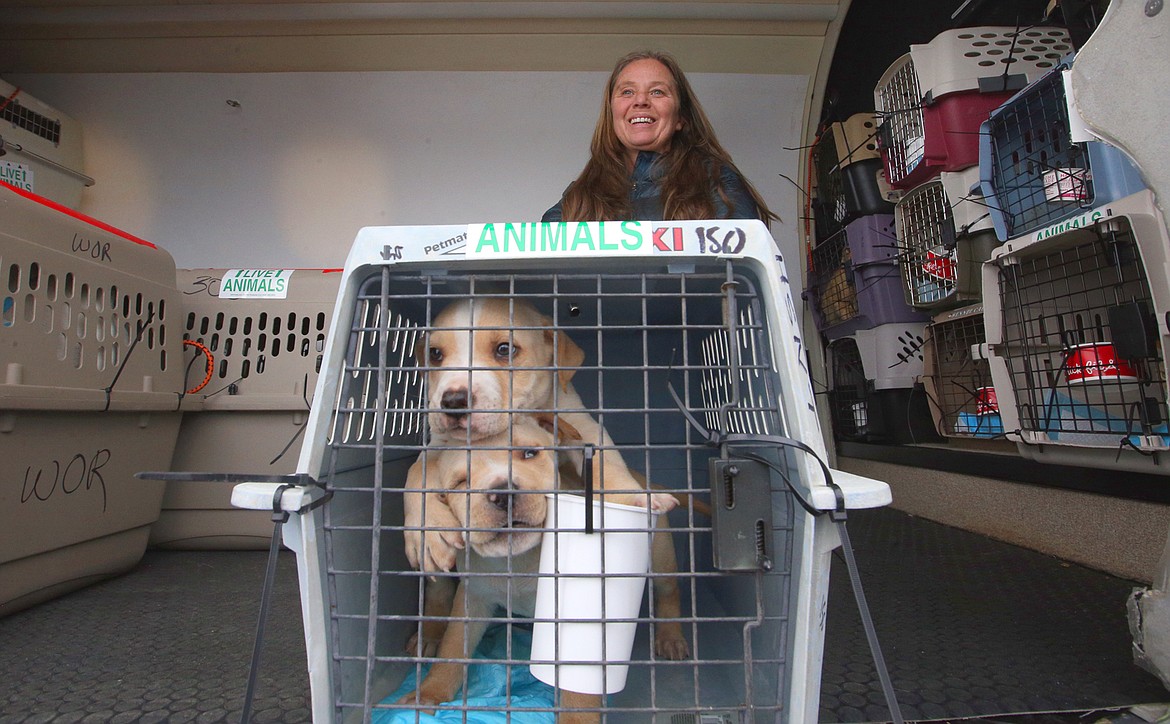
(430, 645)
(671, 644)
(658, 502)
(420, 700)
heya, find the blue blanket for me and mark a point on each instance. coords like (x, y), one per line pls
(486, 687)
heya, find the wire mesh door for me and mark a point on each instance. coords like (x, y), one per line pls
(958, 382)
(709, 642)
(1081, 342)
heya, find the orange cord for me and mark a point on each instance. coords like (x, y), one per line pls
(210, 364)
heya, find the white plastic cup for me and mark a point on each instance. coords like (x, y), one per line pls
(585, 604)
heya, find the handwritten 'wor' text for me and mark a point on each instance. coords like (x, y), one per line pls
(97, 250)
(81, 473)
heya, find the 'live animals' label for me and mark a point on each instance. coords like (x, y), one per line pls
(16, 175)
(255, 284)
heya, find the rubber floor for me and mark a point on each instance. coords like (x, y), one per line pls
(971, 628)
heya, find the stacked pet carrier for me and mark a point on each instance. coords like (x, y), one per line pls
(91, 343)
(254, 340)
(1075, 296)
(931, 102)
(684, 356)
(40, 148)
(855, 292)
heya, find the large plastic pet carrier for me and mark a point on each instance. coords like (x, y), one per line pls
(957, 378)
(874, 389)
(40, 148)
(932, 99)
(92, 354)
(1032, 172)
(1077, 348)
(944, 235)
(254, 339)
(850, 177)
(680, 341)
(853, 282)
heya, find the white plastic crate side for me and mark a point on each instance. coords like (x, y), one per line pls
(83, 304)
(959, 59)
(44, 148)
(891, 354)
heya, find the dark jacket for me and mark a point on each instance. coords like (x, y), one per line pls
(646, 194)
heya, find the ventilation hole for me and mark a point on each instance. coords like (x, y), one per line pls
(219, 318)
(305, 346)
(260, 365)
(247, 325)
(30, 309)
(223, 368)
(69, 285)
(292, 343)
(8, 312)
(85, 296)
(234, 326)
(100, 360)
(34, 276)
(162, 309)
(276, 325)
(51, 287)
(75, 355)
(81, 326)
(305, 322)
(245, 369)
(214, 345)
(99, 298)
(227, 347)
(263, 321)
(14, 279)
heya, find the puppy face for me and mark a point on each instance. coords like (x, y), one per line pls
(496, 489)
(487, 356)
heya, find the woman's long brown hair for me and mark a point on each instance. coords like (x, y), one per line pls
(691, 168)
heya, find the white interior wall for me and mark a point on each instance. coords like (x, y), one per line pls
(287, 172)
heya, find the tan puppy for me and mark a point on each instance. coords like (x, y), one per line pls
(495, 492)
(488, 357)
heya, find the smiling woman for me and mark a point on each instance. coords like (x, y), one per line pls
(654, 154)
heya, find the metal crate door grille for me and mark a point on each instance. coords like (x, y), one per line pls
(1081, 343)
(926, 235)
(638, 332)
(833, 280)
(849, 393)
(963, 396)
(900, 107)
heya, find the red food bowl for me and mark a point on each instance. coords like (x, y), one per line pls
(985, 402)
(1096, 361)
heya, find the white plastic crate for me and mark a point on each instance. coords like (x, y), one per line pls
(1075, 338)
(956, 377)
(42, 148)
(266, 347)
(944, 234)
(91, 349)
(932, 99)
(703, 307)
